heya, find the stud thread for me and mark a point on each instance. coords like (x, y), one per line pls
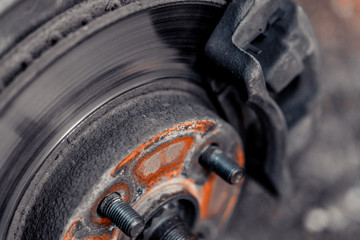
(179, 231)
(215, 160)
(122, 214)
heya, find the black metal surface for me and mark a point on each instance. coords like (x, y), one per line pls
(255, 42)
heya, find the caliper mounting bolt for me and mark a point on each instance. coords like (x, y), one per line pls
(215, 160)
(122, 214)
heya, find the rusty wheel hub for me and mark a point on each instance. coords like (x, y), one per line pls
(144, 145)
(124, 110)
(160, 174)
(123, 118)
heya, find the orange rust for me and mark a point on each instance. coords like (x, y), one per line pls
(166, 174)
(106, 236)
(240, 159)
(240, 155)
(213, 193)
(201, 126)
(204, 126)
(230, 206)
(135, 154)
(214, 190)
(167, 167)
(115, 188)
(233, 200)
(206, 196)
(70, 233)
(219, 197)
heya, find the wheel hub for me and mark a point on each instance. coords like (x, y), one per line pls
(148, 153)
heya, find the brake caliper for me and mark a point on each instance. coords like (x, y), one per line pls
(267, 52)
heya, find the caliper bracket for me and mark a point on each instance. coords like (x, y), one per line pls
(231, 47)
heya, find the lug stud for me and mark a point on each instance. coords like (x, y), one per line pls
(215, 160)
(179, 231)
(173, 229)
(122, 214)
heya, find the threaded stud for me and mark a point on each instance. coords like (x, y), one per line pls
(173, 228)
(215, 160)
(122, 214)
(179, 231)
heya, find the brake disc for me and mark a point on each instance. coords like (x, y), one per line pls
(62, 105)
(117, 125)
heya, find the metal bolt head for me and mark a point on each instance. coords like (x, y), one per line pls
(122, 214)
(215, 160)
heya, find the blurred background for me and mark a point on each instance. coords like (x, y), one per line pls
(325, 202)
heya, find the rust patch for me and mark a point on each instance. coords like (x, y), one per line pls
(70, 233)
(219, 196)
(116, 188)
(215, 192)
(105, 236)
(166, 160)
(206, 196)
(230, 206)
(202, 126)
(236, 191)
(132, 156)
(240, 157)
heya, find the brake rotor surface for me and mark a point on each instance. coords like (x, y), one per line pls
(85, 118)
